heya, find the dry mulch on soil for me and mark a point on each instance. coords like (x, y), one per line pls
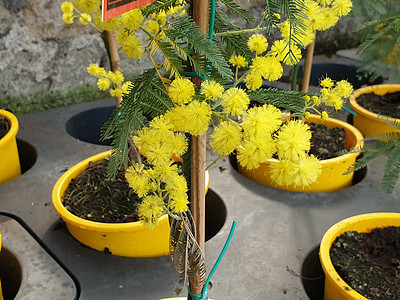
(387, 105)
(370, 262)
(92, 196)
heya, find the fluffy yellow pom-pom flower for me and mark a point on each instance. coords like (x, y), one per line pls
(342, 7)
(88, 6)
(131, 46)
(181, 91)
(138, 180)
(198, 116)
(254, 151)
(235, 101)
(293, 139)
(211, 89)
(133, 19)
(175, 185)
(226, 137)
(103, 84)
(151, 208)
(253, 80)
(343, 88)
(305, 170)
(327, 82)
(280, 172)
(85, 18)
(67, 7)
(238, 61)
(261, 120)
(68, 18)
(258, 43)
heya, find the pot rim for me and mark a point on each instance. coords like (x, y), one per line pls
(372, 89)
(11, 134)
(338, 123)
(62, 184)
(343, 226)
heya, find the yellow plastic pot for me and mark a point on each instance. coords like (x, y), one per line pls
(366, 121)
(132, 239)
(331, 178)
(1, 293)
(9, 158)
(335, 287)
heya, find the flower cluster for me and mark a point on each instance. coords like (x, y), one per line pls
(256, 133)
(318, 15)
(110, 79)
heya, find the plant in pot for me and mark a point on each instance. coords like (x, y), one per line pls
(9, 158)
(378, 56)
(360, 257)
(182, 111)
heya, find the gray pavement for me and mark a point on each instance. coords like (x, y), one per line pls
(276, 229)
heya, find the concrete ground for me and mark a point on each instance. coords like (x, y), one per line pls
(276, 230)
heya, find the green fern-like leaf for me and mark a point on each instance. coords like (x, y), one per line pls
(291, 100)
(270, 19)
(146, 97)
(370, 152)
(391, 170)
(235, 44)
(173, 62)
(239, 11)
(186, 30)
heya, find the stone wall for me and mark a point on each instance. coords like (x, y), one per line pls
(40, 53)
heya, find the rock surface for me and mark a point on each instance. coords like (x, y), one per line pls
(40, 53)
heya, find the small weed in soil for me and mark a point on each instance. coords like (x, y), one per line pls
(4, 127)
(387, 105)
(369, 262)
(326, 142)
(95, 197)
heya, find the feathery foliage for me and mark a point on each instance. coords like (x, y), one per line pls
(239, 11)
(379, 28)
(380, 144)
(234, 43)
(188, 31)
(291, 100)
(147, 97)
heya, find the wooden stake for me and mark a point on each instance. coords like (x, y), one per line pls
(114, 55)
(307, 65)
(201, 17)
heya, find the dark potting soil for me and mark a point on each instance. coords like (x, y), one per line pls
(93, 196)
(370, 262)
(387, 105)
(4, 127)
(326, 142)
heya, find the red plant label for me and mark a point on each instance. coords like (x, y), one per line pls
(113, 8)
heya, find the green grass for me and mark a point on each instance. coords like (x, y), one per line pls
(20, 105)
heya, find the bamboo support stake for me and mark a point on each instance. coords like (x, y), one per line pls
(307, 65)
(114, 56)
(201, 17)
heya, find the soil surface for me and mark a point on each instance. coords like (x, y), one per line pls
(92, 196)
(370, 262)
(387, 105)
(326, 142)
(4, 127)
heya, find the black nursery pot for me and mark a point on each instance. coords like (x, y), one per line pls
(338, 72)
(86, 125)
